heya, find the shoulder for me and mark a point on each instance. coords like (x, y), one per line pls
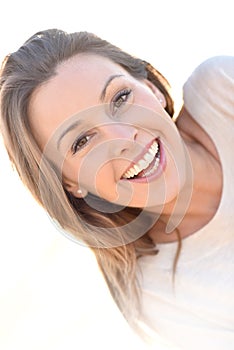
(218, 67)
(211, 85)
(218, 64)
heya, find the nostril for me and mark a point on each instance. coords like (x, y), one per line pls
(123, 150)
(135, 134)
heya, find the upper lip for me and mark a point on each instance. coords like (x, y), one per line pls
(140, 156)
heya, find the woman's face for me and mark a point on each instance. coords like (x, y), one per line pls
(109, 132)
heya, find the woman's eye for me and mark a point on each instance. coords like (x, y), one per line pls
(80, 143)
(120, 98)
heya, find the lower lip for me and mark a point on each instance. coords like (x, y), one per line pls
(157, 173)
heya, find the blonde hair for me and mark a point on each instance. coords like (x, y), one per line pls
(22, 72)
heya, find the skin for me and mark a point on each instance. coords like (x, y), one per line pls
(115, 136)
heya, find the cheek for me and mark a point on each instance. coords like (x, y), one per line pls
(70, 170)
(105, 183)
(93, 173)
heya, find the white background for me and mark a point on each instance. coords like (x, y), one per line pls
(51, 293)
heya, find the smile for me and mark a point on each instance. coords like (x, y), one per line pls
(147, 165)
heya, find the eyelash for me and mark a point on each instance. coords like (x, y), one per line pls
(119, 96)
(75, 145)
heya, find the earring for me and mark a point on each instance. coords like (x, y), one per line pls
(161, 100)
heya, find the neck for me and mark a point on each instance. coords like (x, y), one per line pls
(207, 184)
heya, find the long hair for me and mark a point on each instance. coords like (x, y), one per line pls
(22, 73)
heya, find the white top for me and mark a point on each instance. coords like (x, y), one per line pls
(199, 312)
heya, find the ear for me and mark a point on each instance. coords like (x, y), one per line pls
(75, 189)
(158, 94)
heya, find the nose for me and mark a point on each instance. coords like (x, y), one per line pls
(121, 136)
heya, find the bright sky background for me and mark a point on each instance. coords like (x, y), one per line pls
(51, 295)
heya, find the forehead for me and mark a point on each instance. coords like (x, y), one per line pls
(76, 86)
(82, 74)
(86, 69)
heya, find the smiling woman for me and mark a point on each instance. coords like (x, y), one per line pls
(107, 118)
(90, 130)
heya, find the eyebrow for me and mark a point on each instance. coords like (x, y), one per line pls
(103, 93)
(67, 130)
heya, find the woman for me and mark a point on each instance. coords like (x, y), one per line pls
(90, 130)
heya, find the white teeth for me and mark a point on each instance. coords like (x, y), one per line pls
(132, 172)
(145, 162)
(136, 167)
(147, 173)
(152, 152)
(149, 157)
(155, 147)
